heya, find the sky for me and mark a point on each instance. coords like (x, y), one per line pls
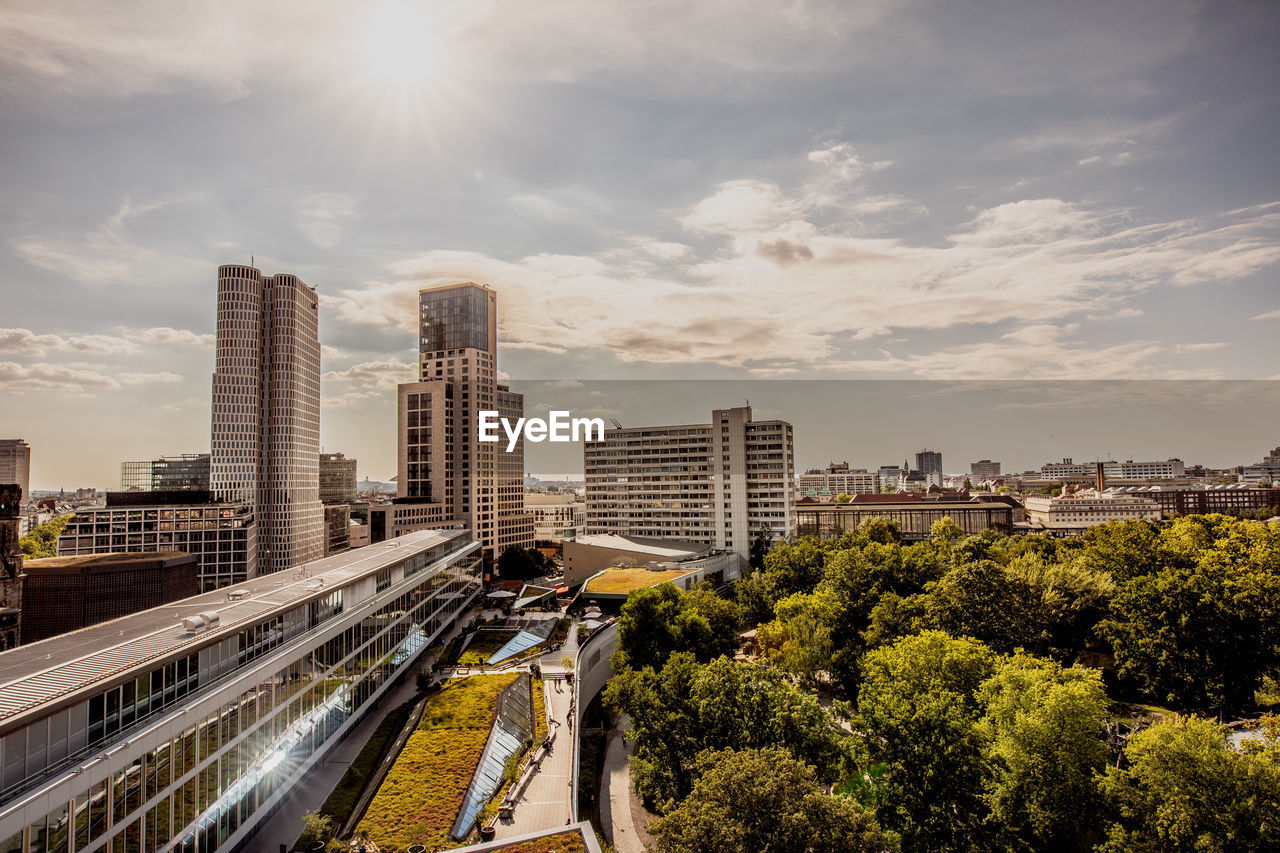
(792, 190)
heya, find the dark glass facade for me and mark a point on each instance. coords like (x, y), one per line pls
(453, 318)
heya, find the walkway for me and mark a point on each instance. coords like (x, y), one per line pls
(622, 816)
(544, 803)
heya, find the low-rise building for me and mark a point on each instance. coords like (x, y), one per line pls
(836, 479)
(556, 517)
(62, 594)
(914, 515)
(222, 535)
(1266, 471)
(984, 469)
(1233, 499)
(1075, 512)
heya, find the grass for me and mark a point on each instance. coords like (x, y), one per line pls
(420, 798)
(561, 842)
(483, 647)
(629, 580)
(862, 788)
(342, 799)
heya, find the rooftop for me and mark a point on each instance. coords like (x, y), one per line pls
(40, 672)
(630, 579)
(671, 548)
(108, 561)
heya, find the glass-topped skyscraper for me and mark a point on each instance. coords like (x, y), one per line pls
(441, 459)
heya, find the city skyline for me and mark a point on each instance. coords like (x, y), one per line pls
(878, 191)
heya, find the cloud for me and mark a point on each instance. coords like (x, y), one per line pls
(1205, 347)
(375, 374)
(1268, 315)
(26, 342)
(776, 285)
(162, 377)
(106, 254)
(82, 377)
(322, 217)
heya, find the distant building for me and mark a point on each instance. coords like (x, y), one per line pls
(222, 535)
(337, 528)
(62, 594)
(914, 515)
(1068, 470)
(984, 469)
(15, 464)
(891, 475)
(1266, 471)
(1075, 512)
(929, 463)
(266, 412)
(337, 478)
(1235, 499)
(717, 483)
(588, 554)
(556, 517)
(186, 473)
(836, 479)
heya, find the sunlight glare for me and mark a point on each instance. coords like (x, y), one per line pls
(402, 49)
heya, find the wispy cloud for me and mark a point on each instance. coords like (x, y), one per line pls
(76, 377)
(1267, 315)
(322, 217)
(26, 342)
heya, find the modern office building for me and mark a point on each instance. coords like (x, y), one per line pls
(186, 473)
(984, 469)
(1075, 512)
(222, 536)
(892, 475)
(337, 528)
(15, 464)
(337, 479)
(62, 594)
(929, 463)
(180, 728)
(556, 517)
(915, 515)
(442, 461)
(836, 479)
(266, 412)
(717, 483)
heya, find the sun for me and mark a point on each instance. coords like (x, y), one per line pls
(402, 48)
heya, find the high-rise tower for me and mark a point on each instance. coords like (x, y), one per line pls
(441, 459)
(266, 412)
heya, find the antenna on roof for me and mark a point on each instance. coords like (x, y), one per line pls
(616, 423)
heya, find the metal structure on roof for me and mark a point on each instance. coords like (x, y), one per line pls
(523, 641)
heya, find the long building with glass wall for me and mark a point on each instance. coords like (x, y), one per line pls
(180, 728)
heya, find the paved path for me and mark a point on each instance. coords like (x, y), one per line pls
(544, 803)
(621, 813)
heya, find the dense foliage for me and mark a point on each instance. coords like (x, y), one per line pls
(966, 683)
(43, 541)
(522, 564)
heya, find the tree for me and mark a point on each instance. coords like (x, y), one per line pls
(760, 546)
(1182, 787)
(980, 599)
(518, 564)
(316, 828)
(1045, 726)
(43, 541)
(794, 567)
(1201, 636)
(844, 498)
(945, 530)
(764, 800)
(688, 707)
(918, 706)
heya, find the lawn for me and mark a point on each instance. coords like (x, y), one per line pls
(561, 842)
(629, 580)
(420, 798)
(483, 647)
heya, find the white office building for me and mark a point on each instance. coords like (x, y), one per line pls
(836, 479)
(717, 483)
(1075, 512)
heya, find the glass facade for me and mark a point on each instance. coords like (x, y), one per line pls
(453, 318)
(192, 791)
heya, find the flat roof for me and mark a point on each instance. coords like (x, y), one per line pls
(107, 560)
(34, 674)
